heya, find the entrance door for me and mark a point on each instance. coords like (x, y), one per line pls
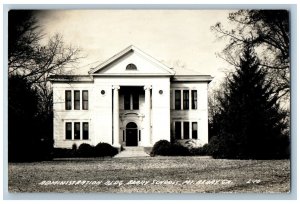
(131, 134)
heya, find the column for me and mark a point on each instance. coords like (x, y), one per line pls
(147, 121)
(116, 142)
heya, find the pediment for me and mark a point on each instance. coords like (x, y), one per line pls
(132, 62)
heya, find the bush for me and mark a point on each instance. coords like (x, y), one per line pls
(162, 147)
(179, 150)
(200, 151)
(85, 150)
(165, 148)
(104, 149)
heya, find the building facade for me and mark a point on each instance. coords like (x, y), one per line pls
(130, 100)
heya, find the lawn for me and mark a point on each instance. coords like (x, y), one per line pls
(152, 175)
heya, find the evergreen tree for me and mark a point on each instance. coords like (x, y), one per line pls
(250, 122)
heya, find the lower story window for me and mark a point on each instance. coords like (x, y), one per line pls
(85, 131)
(194, 130)
(68, 131)
(178, 130)
(76, 133)
(186, 130)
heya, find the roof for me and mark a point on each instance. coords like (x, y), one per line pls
(123, 53)
(70, 78)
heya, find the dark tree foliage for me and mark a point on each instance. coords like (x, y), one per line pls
(267, 31)
(250, 123)
(24, 142)
(30, 63)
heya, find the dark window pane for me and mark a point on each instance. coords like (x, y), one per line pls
(68, 100)
(178, 130)
(77, 131)
(177, 100)
(68, 131)
(185, 99)
(85, 131)
(194, 99)
(186, 130)
(131, 67)
(135, 101)
(77, 100)
(195, 130)
(126, 101)
(139, 135)
(85, 100)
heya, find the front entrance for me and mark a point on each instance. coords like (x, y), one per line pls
(131, 134)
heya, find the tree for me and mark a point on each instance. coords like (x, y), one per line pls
(250, 123)
(267, 31)
(24, 142)
(31, 62)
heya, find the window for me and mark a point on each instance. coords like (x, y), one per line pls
(76, 131)
(185, 99)
(68, 100)
(85, 100)
(177, 99)
(131, 101)
(178, 130)
(131, 67)
(126, 101)
(135, 101)
(85, 131)
(194, 99)
(194, 130)
(77, 100)
(68, 131)
(186, 130)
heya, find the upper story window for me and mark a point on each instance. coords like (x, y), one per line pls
(194, 99)
(135, 101)
(177, 99)
(185, 99)
(85, 100)
(68, 98)
(76, 100)
(131, 101)
(131, 67)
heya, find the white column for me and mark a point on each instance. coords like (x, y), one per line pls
(146, 137)
(116, 139)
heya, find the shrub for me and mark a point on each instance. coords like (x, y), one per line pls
(200, 151)
(162, 147)
(179, 150)
(85, 150)
(165, 148)
(104, 149)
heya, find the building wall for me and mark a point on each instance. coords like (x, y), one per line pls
(99, 115)
(200, 115)
(61, 116)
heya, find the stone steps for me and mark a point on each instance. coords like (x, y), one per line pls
(132, 152)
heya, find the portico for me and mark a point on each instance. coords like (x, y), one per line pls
(131, 105)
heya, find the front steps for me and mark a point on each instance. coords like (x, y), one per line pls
(132, 152)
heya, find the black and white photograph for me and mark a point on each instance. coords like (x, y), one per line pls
(149, 101)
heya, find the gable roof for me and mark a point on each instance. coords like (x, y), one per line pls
(126, 51)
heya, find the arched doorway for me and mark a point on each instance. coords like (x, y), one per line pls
(131, 134)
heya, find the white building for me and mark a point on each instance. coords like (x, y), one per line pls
(130, 100)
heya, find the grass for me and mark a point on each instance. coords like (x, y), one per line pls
(163, 174)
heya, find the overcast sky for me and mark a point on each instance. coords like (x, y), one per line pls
(170, 36)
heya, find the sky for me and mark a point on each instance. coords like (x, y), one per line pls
(174, 37)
